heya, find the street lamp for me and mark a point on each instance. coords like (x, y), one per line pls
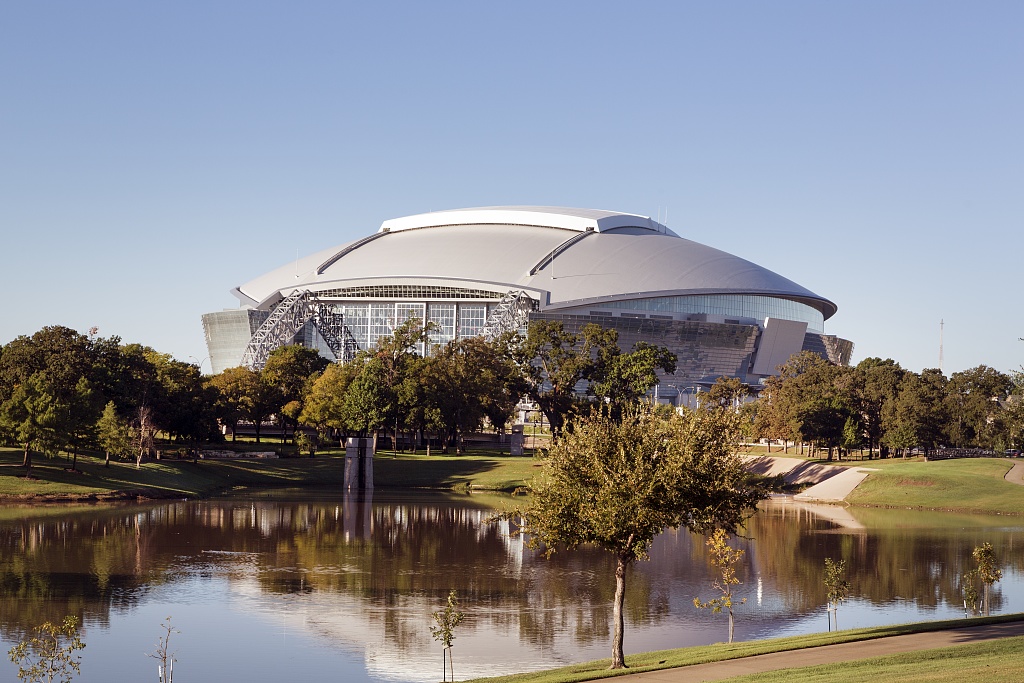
(199, 363)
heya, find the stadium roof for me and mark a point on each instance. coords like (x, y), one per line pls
(566, 257)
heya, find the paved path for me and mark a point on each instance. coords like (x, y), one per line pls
(837, 488)
(830, 654)
(1016, 474)
(829, 483)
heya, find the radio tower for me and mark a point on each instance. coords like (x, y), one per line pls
(941, 324)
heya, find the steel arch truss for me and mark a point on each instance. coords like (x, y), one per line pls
(287, 320)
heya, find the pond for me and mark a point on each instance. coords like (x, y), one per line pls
(301, 586)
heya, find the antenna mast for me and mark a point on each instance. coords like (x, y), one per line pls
(941, 325)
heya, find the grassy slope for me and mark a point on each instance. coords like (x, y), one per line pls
(667, 659)
(51, 477)
(968, 485)
(998, 660)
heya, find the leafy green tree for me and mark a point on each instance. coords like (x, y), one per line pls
(969, 587)
(292, 368)
(987, 571)
(836, 586)
(113, 434)
(324, 407)
(725, 558)
(379, 387)
(824, 422)
(249, 393)
(876, 385)
(553, 361)
(447, 619)
(465, 381)
(974, 403)
(620, 379)
(784, 396)
(50, 653)
(183, 402)
(728, 392)
(29, 416)
(618, 484)
(365, 408)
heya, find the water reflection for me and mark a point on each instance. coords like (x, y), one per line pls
(310, 581)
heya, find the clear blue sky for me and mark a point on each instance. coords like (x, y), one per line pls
(155, 155)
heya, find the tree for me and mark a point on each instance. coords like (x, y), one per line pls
(988, 571)
(621, 379)
(291, 368)
(162, 654)
(785, 394)
(968, 585)
(28, 415)
(618, 484)
(250, 393)
(876, 383)
(447, 619)
(553, 360)
(49, 654)
(384, 369)
(728, 392)
(836, 586)
(113, 433)
(463, 382)
(823, 422)
(973, 400)
(725, 558)
(324, 407)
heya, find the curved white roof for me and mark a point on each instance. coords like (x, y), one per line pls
(565, 256)
(579, 220)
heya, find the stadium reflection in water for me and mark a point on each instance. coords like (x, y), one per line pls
(274, 588)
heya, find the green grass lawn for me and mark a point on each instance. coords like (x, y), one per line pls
(966, 485)
(52, 478)
(995, 661)
(1008, 655)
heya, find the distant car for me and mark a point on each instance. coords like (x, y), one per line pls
(1012, 452)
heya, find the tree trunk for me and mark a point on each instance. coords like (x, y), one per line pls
(986, 599)
(106, 461)
(27, 460)
(732, 624)
(618, 660)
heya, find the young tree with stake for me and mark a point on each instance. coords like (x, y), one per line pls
(447, 619)
(725, 558)
(836, 586)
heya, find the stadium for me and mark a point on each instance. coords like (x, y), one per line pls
(488, 270)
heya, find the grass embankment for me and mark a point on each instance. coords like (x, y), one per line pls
(1001, 655)
(966, 485)
(52, 478)
(996, 661)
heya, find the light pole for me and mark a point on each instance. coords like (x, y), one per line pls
(199, 363)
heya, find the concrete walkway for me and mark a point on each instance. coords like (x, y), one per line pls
(830, 483)
(831, 654)
(1016, 474)
(837, 488)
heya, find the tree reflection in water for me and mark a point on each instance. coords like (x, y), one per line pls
(365, 573)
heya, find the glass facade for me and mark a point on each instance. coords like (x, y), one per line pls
(443, 318)
(368, 322)
(471, 319)
(749, 306)
(704, 351)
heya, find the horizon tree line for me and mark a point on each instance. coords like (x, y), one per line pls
(61, 390)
